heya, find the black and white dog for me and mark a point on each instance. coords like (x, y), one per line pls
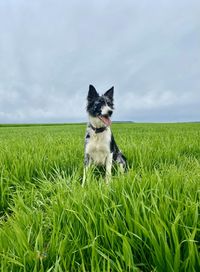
(100, 146)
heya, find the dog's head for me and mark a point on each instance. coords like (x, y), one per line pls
(100, 107)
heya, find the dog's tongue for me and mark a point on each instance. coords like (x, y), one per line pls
(105, 120)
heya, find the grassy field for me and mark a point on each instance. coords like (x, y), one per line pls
(145, 220)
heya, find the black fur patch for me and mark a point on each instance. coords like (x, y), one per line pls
(87, 136)
(117, 154)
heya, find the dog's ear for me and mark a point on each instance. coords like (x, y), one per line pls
(110, 93)
(92, 93)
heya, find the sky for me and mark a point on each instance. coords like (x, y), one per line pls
(51, 50)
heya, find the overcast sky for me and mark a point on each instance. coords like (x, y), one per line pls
(50, 51)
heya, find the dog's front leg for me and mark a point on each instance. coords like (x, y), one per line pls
(109, 167)
(87, 162)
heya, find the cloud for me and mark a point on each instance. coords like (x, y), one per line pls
(50, 52)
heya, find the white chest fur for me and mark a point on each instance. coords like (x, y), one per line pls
(98, 146)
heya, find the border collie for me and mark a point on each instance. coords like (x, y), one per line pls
(100, 145)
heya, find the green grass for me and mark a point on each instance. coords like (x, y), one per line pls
(145, 220)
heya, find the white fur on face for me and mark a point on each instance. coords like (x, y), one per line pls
(96, 122)
(105, 109)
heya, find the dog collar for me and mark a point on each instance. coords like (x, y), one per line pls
(97, 130)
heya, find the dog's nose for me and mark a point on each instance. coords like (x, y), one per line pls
(110, 112)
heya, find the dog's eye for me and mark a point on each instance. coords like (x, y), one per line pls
(96, 105)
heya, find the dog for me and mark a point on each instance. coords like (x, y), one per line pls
(100, 145)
